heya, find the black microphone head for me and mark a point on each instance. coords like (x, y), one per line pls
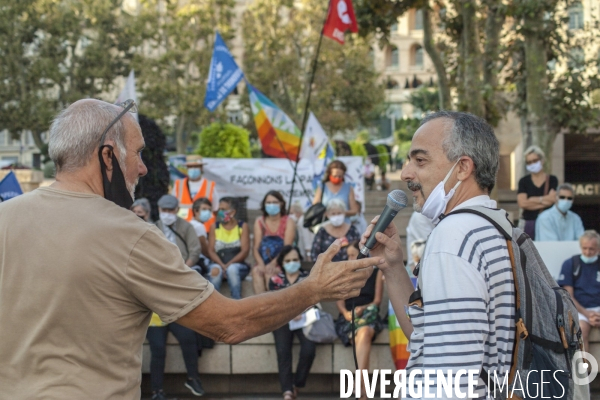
(397, 200)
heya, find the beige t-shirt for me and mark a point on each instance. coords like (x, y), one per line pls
(79, 277)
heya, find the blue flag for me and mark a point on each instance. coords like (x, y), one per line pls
(223, 76)
(9, 187)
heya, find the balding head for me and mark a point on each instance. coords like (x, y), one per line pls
(76, 132)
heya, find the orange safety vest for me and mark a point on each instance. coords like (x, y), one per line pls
(182, 191)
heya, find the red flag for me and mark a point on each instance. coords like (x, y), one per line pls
(339, 19)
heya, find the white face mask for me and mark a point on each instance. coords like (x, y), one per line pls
(437, 201)
(337, 220)
(535, 167)
(168, 218)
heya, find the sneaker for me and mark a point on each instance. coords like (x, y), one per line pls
(195, 386)
(160, 395)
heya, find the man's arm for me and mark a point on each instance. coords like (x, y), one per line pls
(579, 229)
(544, 231)
(398, 282)
(233, 321)
(533, 203)
(581, 309)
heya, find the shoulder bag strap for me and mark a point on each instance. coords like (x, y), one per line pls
(181, 238)
(547, 184)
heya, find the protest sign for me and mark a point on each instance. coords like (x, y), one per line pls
(254, 177)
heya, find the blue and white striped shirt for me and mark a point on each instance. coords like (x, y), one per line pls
(467, 318)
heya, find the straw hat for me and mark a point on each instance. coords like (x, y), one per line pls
(194, 160)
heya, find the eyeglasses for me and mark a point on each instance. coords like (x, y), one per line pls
(565, 198)
(128, 106)
(532, 161)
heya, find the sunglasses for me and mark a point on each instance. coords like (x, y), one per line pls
(565, 197)
(128, 106)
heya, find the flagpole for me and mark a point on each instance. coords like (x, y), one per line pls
(305, 114)
(293, 166)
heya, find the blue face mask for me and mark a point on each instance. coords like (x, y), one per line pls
(564, 205)
(272, 209)
(205, 215)
(589, 260)
(291, 266)
(194, 173)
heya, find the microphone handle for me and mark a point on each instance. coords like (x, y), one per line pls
(386, 217)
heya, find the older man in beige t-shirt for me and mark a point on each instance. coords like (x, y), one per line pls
(80, 274)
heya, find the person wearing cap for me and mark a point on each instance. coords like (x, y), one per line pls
(194, 187)
(80, 304)
(179, 232)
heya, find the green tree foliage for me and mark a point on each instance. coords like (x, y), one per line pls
(342, 148)
(53, 52)
(280, 39)
(384, 158)
(362, 136)
(220, 140)
(499, 54)
(406, 128)
(358, 149)
(174, 61)
(425, 99)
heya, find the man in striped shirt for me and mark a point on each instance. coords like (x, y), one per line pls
(466, 318)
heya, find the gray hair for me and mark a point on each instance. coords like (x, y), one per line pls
(336, 204)
(144, 203)
(535, 150)
(76, 131)
(417, 248)
(473, 137)
(591, 234)
(297, 205)
(565, 186)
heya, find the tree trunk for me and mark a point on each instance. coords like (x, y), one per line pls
(493, 26)
(472, 79)
(180, 142)
(37, 139)
(540, 131)
(436, 59)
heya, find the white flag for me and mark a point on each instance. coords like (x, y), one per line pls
(129, 92)
(314, 141)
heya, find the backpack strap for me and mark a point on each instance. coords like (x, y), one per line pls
(495, 216)
(499, 219)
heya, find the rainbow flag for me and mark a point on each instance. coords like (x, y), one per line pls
(279, 135)
(398, 341)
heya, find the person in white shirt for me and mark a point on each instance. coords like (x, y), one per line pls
(464, 318)
(419, 227)
(558, 223)
(305, 236)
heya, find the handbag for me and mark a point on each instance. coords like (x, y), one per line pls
(228, 253)
(315, 213)
(322, 330)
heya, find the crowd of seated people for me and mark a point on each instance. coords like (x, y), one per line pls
(215, 242)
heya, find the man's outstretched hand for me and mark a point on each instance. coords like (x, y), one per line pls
(340, 280)
(388, 246)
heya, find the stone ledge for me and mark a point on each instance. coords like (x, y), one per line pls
(258, 356)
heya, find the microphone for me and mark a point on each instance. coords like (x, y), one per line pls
(396, 201)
